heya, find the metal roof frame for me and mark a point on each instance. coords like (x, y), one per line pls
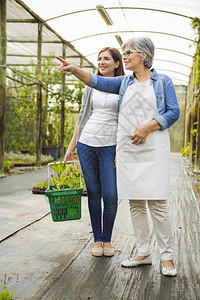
(19, 13)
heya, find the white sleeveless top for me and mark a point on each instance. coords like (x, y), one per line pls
(101, 128)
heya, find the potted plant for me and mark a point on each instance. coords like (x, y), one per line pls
(19, 159)
(6, 166)
(65, 193)
(40, 188)
(12, 165)
(71, 179)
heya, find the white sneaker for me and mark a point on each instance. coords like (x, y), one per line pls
(133, 263)
(169, 271)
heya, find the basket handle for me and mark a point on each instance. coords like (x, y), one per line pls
(69, 162)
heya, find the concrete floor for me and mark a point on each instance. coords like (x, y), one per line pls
(41, 259)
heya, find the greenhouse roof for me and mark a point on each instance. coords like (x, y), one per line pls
(22, 39)
(167, 23)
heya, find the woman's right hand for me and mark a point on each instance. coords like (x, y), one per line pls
(69, 156)
(66, 66)
(81, 74)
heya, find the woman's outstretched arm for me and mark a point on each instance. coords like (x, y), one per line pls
(105, 84)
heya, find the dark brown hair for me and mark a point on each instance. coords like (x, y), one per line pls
(116, 55)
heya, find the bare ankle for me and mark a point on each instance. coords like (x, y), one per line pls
(98, 244)
(107, 245)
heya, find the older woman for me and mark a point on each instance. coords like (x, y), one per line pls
(148, 108)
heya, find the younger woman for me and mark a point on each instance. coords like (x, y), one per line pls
(96, 133)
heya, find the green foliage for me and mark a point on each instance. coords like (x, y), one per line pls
(70, 122)
(194, 132)
(186, 151)
(59, 168)
(78, 93)
(195, 23)
(68, 176)
(21, 107)
(5, 294)
(177, 130)
(59, 180)
(6, 164)
(25, 158)
(20, 122)
(43, 185)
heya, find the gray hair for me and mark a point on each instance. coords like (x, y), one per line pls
(142, 44)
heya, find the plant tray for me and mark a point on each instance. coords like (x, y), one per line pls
(65, 204)
(39, 191)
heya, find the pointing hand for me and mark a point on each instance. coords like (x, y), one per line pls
(65, 66)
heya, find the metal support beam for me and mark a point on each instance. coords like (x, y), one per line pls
(62, 123)
(197, 153)
(81, 62)
(49, 56)
(164, 49)
(39, 97)
(21, 21)
(124, 7)
(2, 81)
(173, 62)
(128, 31)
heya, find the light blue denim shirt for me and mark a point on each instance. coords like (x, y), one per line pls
(167, 102)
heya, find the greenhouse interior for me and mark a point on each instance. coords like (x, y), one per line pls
(40, 107)
(51, 102)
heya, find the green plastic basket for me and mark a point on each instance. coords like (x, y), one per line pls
(65, 204)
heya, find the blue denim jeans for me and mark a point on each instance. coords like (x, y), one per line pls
(99, 172)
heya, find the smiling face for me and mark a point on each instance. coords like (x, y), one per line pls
(133, 60)
(106, 64)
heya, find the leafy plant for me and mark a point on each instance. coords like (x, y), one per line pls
(68, 176)
(25, 158)
(194, 132)
(5, 294)
(186, 150)
(21, 107)
(43, 185)
(195, 23)
(6, 164)
(59, 168)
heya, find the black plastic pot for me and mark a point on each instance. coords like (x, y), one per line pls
(53, 151)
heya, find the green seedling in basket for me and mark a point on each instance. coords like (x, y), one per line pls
(59, 169)
(65, 192)
(68, 176)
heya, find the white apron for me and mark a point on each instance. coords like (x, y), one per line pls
(142, 170)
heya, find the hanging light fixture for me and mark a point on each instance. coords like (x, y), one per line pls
(119, 39)
(103, 13)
